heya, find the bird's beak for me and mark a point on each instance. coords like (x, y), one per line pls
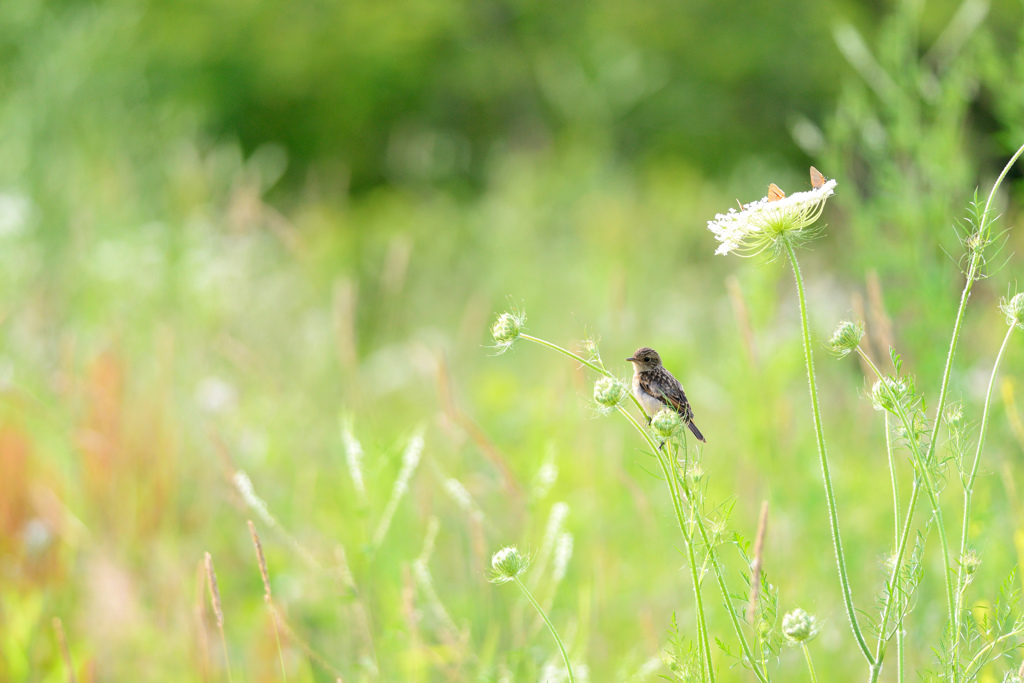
(631, 360)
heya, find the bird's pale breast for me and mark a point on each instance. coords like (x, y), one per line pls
(650, 404)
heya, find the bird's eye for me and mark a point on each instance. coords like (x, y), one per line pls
(647, 359)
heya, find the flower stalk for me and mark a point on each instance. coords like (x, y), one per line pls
(830, 496)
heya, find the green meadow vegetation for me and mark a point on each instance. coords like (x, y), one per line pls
(313, 319)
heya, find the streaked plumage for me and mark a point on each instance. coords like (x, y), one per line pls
(655, 388)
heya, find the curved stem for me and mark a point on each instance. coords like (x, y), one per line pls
(969, 492)
(999, 181)
(833, 515)
(551, 627)
(593, 366)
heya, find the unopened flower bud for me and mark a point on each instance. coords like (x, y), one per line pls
(971, 561)
(665, 423)
(609, 391)
(1013, 309)
(507, 564)
(799, 627)
(507, 327)
(846, 338)
(888, 394)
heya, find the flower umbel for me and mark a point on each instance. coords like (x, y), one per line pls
(800, 627)
(770, 224)
(846, 338)
(508, 564)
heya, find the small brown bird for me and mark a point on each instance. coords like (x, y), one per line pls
(656, 388)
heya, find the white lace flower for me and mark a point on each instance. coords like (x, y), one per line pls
(765, 224)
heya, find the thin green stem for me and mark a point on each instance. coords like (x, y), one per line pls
(895, 481)
(551, 627)
(904, 537)
(566, 352)
(968, 494)
(999, 181)
(833, 515)
(900, 654)
(702, 629)
(810, 664)
(715, 567)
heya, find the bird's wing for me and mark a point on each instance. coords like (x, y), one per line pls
(665, 389)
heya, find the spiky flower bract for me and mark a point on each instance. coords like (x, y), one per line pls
(767, 226)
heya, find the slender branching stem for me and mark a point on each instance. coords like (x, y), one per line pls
(702, 629)
(593, 366)
(551, 627)
(920, 480)
(968, 494)
(833, 515)
(896, 541)
(810, 664)
(715, 566)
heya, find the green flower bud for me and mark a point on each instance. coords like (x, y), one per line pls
(507, 564)
(888, 394)
(846, 338)
(1013, 309)
(976, 242)
(507, 328)
(665, 423)
(609, 391)
(971, 561)
(799, 627)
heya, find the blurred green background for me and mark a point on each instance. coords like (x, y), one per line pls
(227, 226)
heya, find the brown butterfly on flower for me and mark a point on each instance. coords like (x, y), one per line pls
(817, 179)
(774, 193)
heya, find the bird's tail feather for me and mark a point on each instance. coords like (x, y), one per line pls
(696, 432)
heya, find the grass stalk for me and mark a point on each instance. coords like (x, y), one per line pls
(211, 583)
(267, 597)
(833, 515)
(551, 627)
(65, 652)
